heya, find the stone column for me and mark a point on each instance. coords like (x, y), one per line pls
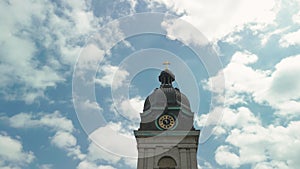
(193, 153)
(141, 158)
(150, 158)
(183, 158)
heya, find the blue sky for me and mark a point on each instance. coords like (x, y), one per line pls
(74, 76)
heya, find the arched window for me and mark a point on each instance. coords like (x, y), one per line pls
(167, 163)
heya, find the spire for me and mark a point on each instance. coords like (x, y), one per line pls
(166, 63)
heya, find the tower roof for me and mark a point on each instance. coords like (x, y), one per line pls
(166, 95)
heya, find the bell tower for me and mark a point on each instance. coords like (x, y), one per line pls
(166, 138)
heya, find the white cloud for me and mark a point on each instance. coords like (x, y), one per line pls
(271, 165)
(265, 35)
(257, 144)
(238, 117)
(63, 128)
(12, 154)
(177, 29)
(244, 58)
(111, 144)
(277, 88)
(96, 156)
(68, 142)
(288, 108)
(46, 166)
(232, 38)
(249, 141)
(92, 106)
(290, 39)
(89, 165)
(27, 28)
(90, 55)
(225, 157)
(132, 162)
(115, 139)
(240, 78)
(232, 119)
(112, 76)
(54, 121)
(97, 153)
(206, 165)
(216, 19)
(129, 108)
(251, 146)
(252, 143)
(284, 88)
(285, 81)
(296, 18)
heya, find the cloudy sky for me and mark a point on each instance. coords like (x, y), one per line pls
(74, 76)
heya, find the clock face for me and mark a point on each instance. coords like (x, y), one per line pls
(166, 121)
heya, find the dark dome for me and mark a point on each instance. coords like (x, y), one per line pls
(166, 95)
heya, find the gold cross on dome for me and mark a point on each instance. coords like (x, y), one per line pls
(166, 63)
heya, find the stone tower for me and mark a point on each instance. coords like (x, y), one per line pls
(166, 138)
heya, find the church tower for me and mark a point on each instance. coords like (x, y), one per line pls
(166, 138)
